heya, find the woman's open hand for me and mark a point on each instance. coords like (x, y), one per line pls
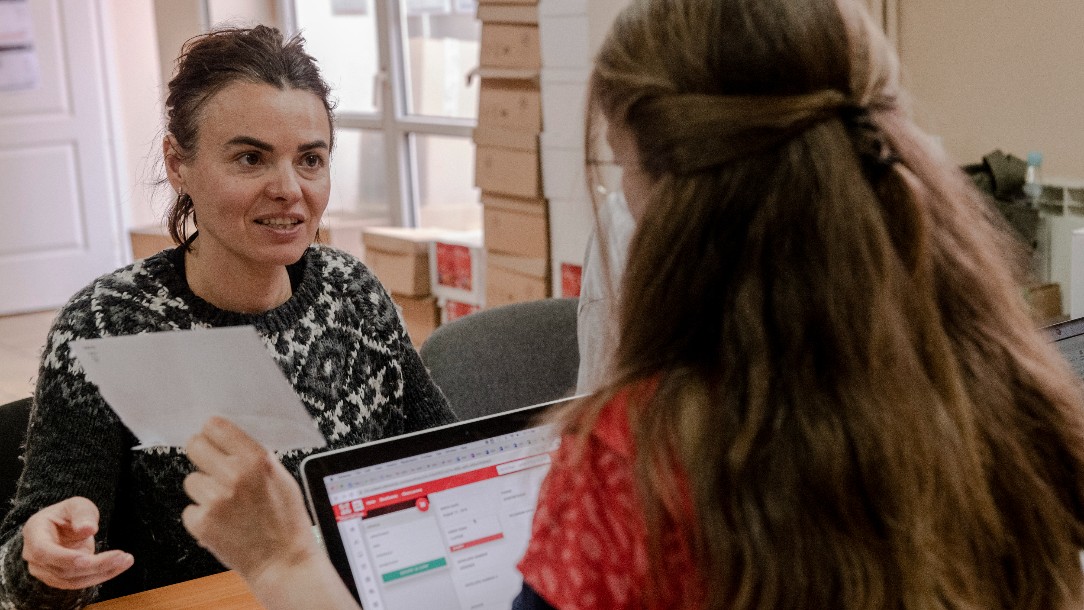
(58, 547)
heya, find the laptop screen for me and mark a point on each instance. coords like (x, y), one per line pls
(437, 519)
(1068, 337)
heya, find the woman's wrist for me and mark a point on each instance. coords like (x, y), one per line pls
(302, 579)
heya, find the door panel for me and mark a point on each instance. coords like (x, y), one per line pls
(59, 202)
(47, 215)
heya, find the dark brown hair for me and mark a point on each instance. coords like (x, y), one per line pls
(212, 61)
(848, 376)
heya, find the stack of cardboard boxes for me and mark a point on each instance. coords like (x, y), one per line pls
(400, 259)
(570, 32)
(457, 273)
(434, 275)
(507, 167)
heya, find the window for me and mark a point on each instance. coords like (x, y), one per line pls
(399, 71)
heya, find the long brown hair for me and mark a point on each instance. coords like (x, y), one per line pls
(847, 373)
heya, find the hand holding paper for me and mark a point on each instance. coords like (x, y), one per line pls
(164, 386)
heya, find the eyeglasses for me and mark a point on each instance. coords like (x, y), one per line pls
(605, 176)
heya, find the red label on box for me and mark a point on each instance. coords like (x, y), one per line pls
(571, 275)
(453, 310)
(454, 266)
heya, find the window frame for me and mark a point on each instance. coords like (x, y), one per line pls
(391, 117)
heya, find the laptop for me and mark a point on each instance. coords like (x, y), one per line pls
(1068, 337)
(437, 518)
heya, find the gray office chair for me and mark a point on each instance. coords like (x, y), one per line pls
(506, 357)
(14, 417)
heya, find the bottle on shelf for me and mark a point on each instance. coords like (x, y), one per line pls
(1033, 195)
(1033, 178)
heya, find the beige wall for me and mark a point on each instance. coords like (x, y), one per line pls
(146, 36)
(245, 13)
(175, 21)
(1005, 74)
(132, 46)
(601, 14)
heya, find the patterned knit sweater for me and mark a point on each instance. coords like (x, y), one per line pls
(338, 339)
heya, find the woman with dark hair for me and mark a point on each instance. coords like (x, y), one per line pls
(827, 391)
(247, 150)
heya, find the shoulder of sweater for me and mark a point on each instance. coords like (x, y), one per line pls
(346, 279)
(354, 277)
(136, 276)
(135, 286)
(329, 256)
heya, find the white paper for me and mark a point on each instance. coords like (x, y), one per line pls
(165, 386)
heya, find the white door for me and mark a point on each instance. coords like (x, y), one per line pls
(58, 195)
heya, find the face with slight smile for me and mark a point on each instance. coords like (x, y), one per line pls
(259, 178)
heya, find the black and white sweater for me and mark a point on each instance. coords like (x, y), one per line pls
(338, 339)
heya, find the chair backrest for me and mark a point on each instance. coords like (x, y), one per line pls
(505, 357)
(14, 417)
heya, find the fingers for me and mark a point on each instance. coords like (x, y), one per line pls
(228, 438)
(204, 455)
(79, 571)
(202, 488)
(221, 449)
(232, 487)
(76, 520)
(68, 525)
(192, 518)
(58, 546)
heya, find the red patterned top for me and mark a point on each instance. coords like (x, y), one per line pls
(588, 543)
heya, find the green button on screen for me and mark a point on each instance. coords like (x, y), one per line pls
(415, 569)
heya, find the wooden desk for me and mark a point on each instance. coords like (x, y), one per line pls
(225, 591)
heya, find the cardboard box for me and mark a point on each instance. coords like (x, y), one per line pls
(514, 104)
(516, 226)
(509, 172)
(343, 232)
(421, 316)
(400, 258)
(571, 280)
(506, 45)
(400, 273)
(506, 138)
(457, 267)
(450, 310)
(510, 12)
(513, 279)
(149, 240)
(1045, 301)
